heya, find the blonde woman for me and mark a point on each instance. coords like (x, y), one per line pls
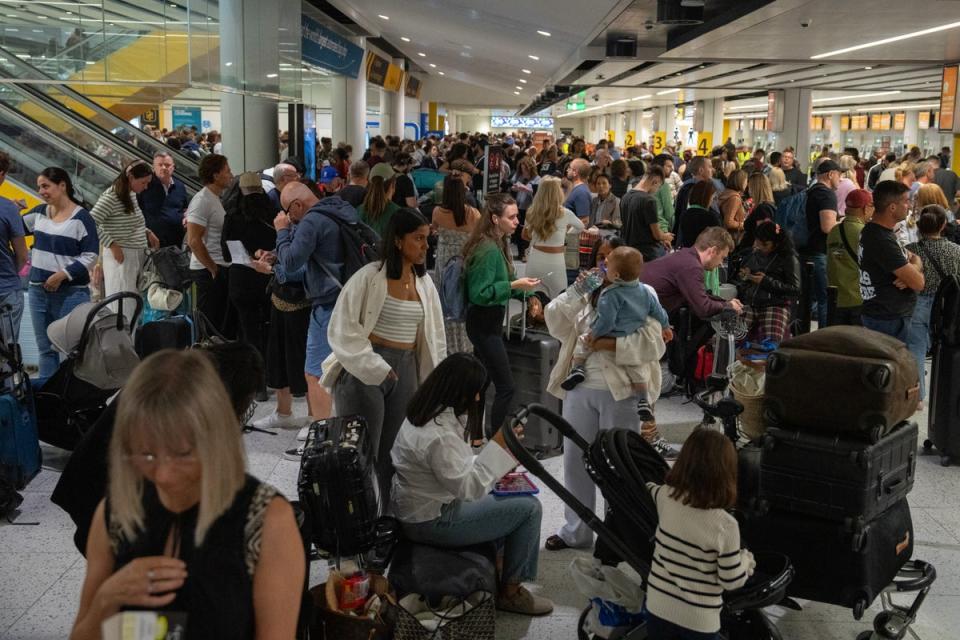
(848, 182)
(546, 229)
(183, 527)
(778, 185)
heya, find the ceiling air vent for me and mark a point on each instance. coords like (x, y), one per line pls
(680, 12)
(621, 46)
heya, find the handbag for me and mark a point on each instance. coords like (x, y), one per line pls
(470, 618)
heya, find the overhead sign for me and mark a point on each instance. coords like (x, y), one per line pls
(948, 97)
(521, 122)
(630, 138)
(413, 87)
(492, 163)
(704, 143)
(577, 102)
(899, 121)
(775, 110)
(611, 135)
(186, 117)
(383, 74)
(659, 142)
(150, 117)
(323, 48)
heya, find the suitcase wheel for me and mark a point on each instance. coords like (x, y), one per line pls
(945, 461)
(927, 446)
(880, 377)
(859, 607)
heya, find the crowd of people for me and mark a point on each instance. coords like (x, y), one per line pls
(606, 246)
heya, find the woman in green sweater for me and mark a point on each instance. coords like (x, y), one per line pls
(490, 281)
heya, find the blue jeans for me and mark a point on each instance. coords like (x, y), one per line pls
(918, 337)
(660, 629)
(514, 519)
(45, 307)
(15, 300)
(819, 293)
(318, 348)
(898, 328)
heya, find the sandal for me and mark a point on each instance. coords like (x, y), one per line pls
(555, 543)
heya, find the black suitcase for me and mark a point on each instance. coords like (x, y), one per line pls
(836, 563)
(175, 332)
(943, 417)
(337, 486)
(834, 478)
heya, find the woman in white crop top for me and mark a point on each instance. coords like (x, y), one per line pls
(386, 334)
(546, 228)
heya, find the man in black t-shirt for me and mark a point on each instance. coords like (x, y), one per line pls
(638, 211)
(821, 213)
(890, 276)
(356, 191)
(791, 171)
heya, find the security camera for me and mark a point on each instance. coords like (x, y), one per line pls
(806, 22)
(596, 97)
(648, 25)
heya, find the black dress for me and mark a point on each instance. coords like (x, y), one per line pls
(218, 593)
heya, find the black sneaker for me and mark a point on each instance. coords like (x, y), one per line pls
(577, 375)
(644, 410)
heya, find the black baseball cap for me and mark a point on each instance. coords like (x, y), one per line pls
(826, 167)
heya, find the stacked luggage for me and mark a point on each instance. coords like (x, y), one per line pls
(830, 477)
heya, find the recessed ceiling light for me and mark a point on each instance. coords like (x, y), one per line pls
(525, 70)
(667, 92)
(876, 43)
(433, 65)
(272, 75)
(421, 54)
(520, 88)
(868, 68)
(865, 95)
(516, 93)
(522, 80)
(405, 38)
(383, 17)
(533, 57)
(544, 33)
(441, 73)
(228, 64)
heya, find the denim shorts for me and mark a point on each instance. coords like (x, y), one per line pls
(318, 348)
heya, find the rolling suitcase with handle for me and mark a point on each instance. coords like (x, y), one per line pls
(943, 418)
(841, 380)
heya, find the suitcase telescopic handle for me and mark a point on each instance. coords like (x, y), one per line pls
(557, 421)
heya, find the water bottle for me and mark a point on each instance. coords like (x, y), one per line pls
(590, 283)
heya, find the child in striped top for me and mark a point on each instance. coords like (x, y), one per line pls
(697, 554)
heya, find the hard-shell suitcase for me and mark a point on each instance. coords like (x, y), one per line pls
(20, 454)
(943, 418)
(834, 478)
(337, 486)
(846, 564)
(841, 379)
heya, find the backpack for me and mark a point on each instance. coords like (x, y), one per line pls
(453, 297)
(792, 217)
(360, 245)
(945, 314)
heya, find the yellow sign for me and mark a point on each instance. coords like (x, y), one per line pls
(611, 135)
(704, 143)
(630, 139)
(659, 142)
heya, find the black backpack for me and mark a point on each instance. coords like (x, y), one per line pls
(945, 314)
(360, 244)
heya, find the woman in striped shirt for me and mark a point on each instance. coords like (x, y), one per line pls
(65, 248)
(123, 231)
(697, 554)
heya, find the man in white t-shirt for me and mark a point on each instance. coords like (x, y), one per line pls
(205, 216)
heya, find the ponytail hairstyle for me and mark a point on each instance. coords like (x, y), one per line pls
(57, 175)
(121, 186)
(376, 200)
(932, 219)
(770, 231)
(495, 205)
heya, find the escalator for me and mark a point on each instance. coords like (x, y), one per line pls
(69, 114)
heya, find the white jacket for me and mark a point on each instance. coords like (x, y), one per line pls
(354, 317)
(569, 315)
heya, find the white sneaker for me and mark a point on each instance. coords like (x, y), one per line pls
(303, 433)
(277, 421)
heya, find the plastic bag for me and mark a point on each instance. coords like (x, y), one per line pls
(610, 584)
(745, 380)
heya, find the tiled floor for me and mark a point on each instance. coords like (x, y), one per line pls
(41, 573)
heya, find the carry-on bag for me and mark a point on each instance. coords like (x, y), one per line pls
(841, 379)
(175, 332)
(834, 478)
(846, 564)
(20, 454)
(337, 486)
(943, 418)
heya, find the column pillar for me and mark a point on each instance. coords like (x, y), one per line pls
(911, 128)
(709, 119)
(836, 136)
(797, 109)
(398, 106)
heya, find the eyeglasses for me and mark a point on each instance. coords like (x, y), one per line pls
(153, 459)
(286, 209)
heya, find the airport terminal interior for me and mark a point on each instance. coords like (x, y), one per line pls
(415, 319)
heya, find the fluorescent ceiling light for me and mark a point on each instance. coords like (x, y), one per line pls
(647, 114)
(533, 57)
(884, 107)
(746, 106)
(228, 64)
(610, 104)
(519, 88)
(441, 73)
(829, 111)
(525, 70)
(522, 81)
(516, 93)
(865, 95)
(738, 116)
(421, 54)
(544, 33)
(876, 43)
(405, 38)
(641, 97)
(433, 65)
(272, 75)
(668, 91)
(383, 17)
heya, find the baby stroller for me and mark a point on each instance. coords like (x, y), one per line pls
(98, 343)
(621, 462)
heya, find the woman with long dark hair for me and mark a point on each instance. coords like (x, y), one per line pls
(386, 334)
(378, 205)
(768, 283)
(65, 249)
(123, 231)
(442, 491)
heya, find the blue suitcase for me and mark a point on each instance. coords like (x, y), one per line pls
(20, 454)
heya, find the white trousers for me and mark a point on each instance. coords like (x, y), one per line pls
(123, 276)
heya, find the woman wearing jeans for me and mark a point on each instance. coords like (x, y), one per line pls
(386, 334)
(65, 248)
(941, 258)
(442, 491)
(490, 284)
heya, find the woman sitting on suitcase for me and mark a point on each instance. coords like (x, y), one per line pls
(386, 334)
(183, 527)
(442, 491)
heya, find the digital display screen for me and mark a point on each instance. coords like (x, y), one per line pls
(520, 122)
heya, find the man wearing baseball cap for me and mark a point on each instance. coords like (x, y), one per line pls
(821, 212)
(843, 263)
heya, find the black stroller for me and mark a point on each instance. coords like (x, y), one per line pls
(621, 462)
(98, 343)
